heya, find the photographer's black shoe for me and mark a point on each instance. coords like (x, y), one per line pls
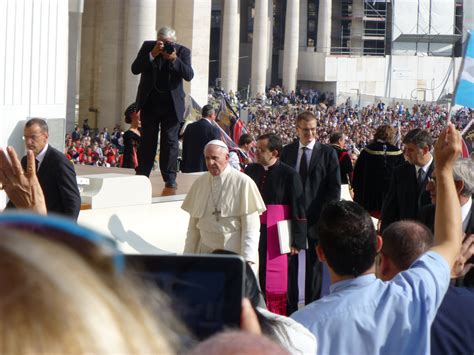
(171, 184)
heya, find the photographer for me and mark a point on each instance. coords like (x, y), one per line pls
(163, 64)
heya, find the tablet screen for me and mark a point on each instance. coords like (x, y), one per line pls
(205, 291)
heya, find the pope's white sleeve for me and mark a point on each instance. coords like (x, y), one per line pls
(250, 236)
(192, 237)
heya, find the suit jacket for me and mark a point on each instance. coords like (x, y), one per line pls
(452, 331)
(323, 183)
(180, 69)
(281, 185)
(196, 136)
(57, 178)
(427, 217)
(404, 199)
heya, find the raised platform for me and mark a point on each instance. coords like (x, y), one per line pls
(154, 227)
(160, 193)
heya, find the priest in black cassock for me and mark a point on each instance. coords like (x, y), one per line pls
(282, 191)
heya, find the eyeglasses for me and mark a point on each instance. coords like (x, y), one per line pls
(92, 246)
(33, 137)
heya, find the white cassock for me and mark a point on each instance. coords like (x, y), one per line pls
(224, 214)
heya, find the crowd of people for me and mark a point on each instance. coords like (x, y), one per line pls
(357, 123)
(92, 147)
(100, 148)
(402, 302)
(403, 286)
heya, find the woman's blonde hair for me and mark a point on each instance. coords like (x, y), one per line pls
(53, 301)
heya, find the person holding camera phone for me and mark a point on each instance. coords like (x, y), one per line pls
(163, 64)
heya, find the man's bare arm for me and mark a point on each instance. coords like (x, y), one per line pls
(448, 230)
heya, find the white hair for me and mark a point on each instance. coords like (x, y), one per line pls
(463, 170)
(167, 32)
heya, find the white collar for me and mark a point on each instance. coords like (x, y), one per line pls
(266, 167)
(221, 177)
(310, 145)
(465, 212)
(424, 167)
(41, 155)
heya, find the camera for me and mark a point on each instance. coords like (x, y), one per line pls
(168, 48)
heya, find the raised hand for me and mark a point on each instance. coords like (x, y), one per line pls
(447, 148)
(461, 267)
(23, 189)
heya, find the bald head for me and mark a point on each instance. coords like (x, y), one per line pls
(403, 243)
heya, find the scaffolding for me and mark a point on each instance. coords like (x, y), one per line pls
(360, 27)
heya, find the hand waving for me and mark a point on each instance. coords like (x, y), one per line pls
(22, 188)
(447, 148)
(461, 266)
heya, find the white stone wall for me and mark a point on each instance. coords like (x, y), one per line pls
(410, 77)
(33, 65)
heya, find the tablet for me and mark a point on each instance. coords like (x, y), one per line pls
(206, 291)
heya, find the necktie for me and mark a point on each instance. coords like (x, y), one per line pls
(421, 177)
(303, 166)
(36, 164)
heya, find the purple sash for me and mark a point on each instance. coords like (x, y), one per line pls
(276, 273)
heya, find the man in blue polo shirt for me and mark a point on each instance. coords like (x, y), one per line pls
(452, 331)
(364, 315)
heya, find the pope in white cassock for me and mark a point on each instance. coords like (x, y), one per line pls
(224, 206)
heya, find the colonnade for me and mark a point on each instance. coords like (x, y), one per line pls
(112, 35)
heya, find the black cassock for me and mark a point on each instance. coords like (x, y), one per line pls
(281, 189)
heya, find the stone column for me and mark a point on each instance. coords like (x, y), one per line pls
(269, 43)
(303, 29)
(111, 59)
(89, 66)
(357, 28)
(230, 45)
(140, 21)
(291, 47)
(76, 8)
(259, 47)
(324, 27)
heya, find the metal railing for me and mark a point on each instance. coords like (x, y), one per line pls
(357, 51)
(371, 12)
(374, 32)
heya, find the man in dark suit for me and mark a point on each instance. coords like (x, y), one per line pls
(282, 191)
(55, 173)
(338, 142)
(463, 173)
(163, 64)
(196, 136)
(320, 174)
(407, 192)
